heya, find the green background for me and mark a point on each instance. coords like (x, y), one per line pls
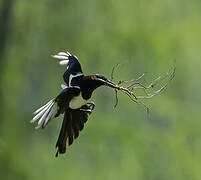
(122, 143)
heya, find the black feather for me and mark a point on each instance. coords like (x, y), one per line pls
(74, 67)
(73, 123)
(61, 142)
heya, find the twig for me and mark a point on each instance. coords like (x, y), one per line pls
(116, 96)
(113, 69)
(133, 80)
(161, 89)
(112, 77)
(129, 89)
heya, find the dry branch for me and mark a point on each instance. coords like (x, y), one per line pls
(136, 84)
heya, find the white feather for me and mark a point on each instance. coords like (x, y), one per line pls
(63, 54)
(45, 113)
(37, 116)
(63, 86)
(47, 120)
(51, 115)
(42, 119)
(68, 53)
(60, 57)
(41, 108)
(63, 62)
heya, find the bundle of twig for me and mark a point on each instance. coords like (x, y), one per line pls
(136, 84)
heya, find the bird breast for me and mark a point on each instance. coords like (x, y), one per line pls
(77, 102)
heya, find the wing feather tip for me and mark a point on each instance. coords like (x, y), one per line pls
(37, 127)
(44, 114)
(31, 121)
(64, 62)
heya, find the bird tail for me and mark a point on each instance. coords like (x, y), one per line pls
(45, 113)
(63, 135)
(73, 123)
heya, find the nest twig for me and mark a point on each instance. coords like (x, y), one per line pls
(136, 84)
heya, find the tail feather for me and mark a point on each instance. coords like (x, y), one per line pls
(70, 134)
(45, 114)
(73, 123)
(61, 141)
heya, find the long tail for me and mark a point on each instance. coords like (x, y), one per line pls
(73, 123)
(45, 113)
(63, 135)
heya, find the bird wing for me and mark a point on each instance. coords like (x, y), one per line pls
(73, 123)
(54, 107)
(73, 65)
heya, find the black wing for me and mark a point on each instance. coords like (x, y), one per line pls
(73, 123)
(55, 107)
(73, 65)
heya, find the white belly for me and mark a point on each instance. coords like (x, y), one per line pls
(77, 102)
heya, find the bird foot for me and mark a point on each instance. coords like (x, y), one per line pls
(86, 110)
(91, 105)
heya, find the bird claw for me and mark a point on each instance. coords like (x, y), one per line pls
(91, 105)
(86, 110)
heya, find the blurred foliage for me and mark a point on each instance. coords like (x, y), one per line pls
(121, 143)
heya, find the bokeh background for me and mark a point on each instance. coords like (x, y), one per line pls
(122, 143)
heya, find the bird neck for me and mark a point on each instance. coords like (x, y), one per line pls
(88, 86)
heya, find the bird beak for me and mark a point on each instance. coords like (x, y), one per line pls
(105, 82)
(109, 83)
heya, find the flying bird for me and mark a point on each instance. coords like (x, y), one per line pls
(73, 101)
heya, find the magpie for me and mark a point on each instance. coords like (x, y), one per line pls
(73, 101)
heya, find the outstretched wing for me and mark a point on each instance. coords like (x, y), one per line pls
(55, 107)
(73, 65)
(73, 123)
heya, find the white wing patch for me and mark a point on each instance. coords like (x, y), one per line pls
(45, 113)
(63, 58)
(63, 86)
